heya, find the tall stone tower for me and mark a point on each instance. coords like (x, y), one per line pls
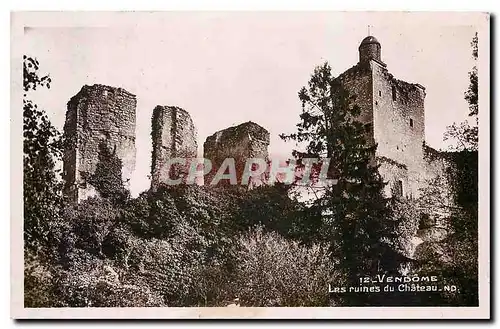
(98, 115)
(395, 111)
(174, 136)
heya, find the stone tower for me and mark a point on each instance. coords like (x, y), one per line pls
(174, 136)
(98, 115)
(369, 49)
(395, 111)
(247, 140)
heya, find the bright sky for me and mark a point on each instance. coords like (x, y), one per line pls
(228, 68)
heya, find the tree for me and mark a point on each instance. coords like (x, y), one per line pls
(42, 198)
(466, 135)
(42, 147)
(354, 211)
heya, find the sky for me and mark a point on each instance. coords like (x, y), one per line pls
(232, 67)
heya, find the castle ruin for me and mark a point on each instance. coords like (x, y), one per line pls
(394, 110)
(174, 136)
(98, 115)
(247, 140)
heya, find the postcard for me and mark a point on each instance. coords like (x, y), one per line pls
(284, 165)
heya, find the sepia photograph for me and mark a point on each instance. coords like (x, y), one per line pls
(240, 164)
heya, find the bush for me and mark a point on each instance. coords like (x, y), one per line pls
(90, 224)
(272, 208)
(273, 271)
(38, 285)
(93, 282)
(169, 267)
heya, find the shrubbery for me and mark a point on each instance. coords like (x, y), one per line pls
(274, 271)
(182, 246)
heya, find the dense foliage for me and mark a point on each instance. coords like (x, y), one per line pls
(42, 148)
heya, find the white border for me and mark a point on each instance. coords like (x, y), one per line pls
(19, 20)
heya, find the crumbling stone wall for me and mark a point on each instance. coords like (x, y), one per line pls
(174, 136)
(247, 140)
(97, 114)
(435, 185)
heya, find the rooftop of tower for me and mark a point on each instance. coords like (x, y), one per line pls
(369, 40)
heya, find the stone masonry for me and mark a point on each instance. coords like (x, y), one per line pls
(97, 114)
(395, 111)
(247, 140)
(174, 136)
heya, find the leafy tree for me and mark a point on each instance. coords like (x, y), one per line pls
(354, 211)
(42, 148)
(193, 232)
(168, 266)
(42, 197)
(466, 135)
(121, 243)
(463, 242)
(471, 95)
(453, 257)
(150, 216)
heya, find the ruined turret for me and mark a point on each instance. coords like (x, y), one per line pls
(97, 116)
